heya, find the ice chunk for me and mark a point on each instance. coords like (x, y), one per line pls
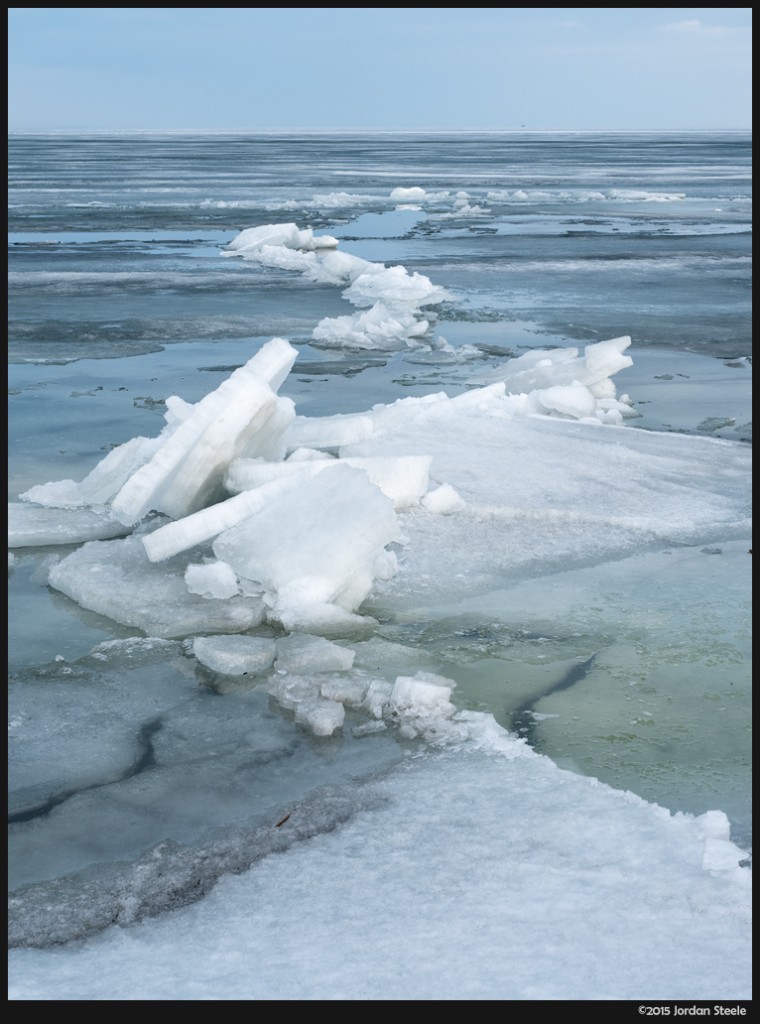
(235, 655)
(314, 545)
(605, 358)
(419, 703)
(394, 286)
(213, 580)
(562, 382)
(572, 400)
(115, 578)
(323, 717)
(378, 695)
(192, 530)
(304, 653)
(404, 480)
(443, 499)
(408, 194)
(350, 692)
(287, 235)
(102, 483)
(380, 327)
(186, 472)
(343, 266)
(32, 526)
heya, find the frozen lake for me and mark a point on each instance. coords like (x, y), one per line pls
(492, 573)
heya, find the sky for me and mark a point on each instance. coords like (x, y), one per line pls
(375, 68)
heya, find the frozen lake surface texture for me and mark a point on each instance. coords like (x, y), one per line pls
(379, 567)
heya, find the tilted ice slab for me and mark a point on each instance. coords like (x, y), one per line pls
(182, 469)
(243, 416)
(259, 482)
(207, 523)
(404, 479)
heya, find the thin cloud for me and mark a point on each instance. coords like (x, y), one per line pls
(695, 28)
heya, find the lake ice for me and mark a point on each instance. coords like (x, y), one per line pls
(472, 660)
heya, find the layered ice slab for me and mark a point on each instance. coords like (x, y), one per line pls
(183, 468)
(242, 417)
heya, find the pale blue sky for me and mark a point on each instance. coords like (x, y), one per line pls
(554, 68)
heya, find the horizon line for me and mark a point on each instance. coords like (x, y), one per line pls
(373, 131)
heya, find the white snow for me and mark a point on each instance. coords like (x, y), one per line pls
(534, 884)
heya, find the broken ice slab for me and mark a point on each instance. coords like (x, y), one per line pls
(235, 655)
(315, 545)
(301, 652)
(115, 578)
(404, 478)
(238, 418)
(33, 526)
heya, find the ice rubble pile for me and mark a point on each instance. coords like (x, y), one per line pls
(391, 298)
(298, 529)
(240, 513)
